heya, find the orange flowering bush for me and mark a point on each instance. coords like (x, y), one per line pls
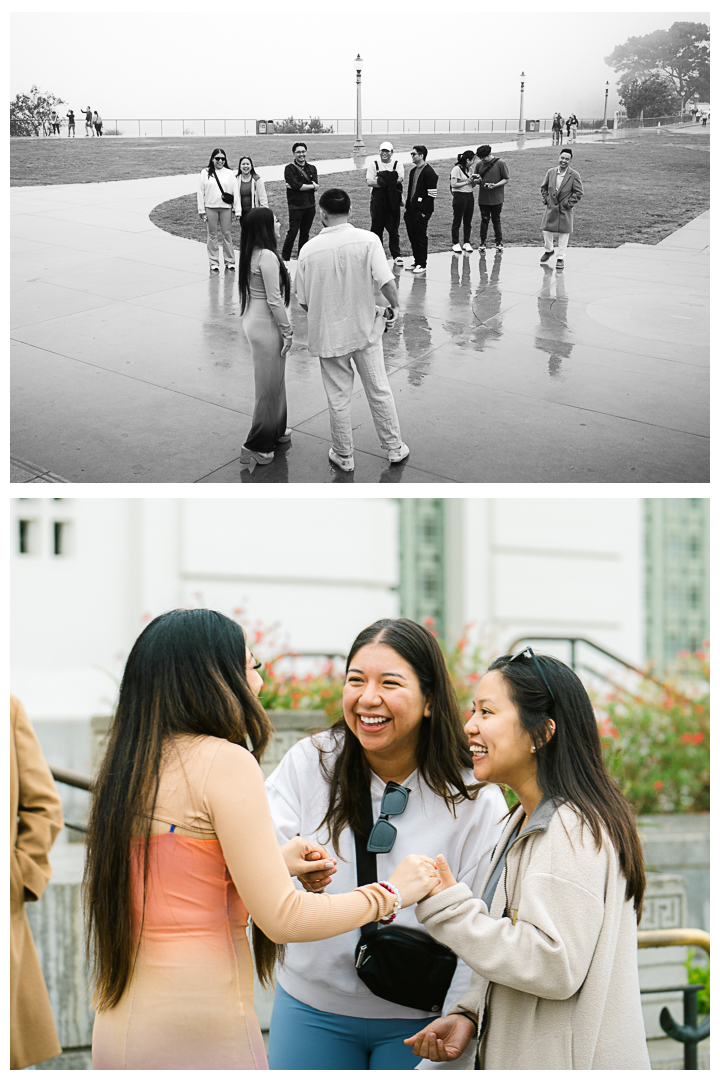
(657, 741)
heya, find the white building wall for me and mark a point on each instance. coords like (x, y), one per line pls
(321, 569)
(555, 566)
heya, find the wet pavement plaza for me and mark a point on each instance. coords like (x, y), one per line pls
(129, 363)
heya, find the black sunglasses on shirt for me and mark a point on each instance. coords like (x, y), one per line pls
(383, 835)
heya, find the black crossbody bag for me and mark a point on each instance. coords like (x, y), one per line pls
(398, 964)
(226, 196)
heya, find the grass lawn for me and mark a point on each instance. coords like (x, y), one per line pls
(639, 189)
(84, 160)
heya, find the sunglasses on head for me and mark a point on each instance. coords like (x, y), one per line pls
(528, 654)
(384, 834)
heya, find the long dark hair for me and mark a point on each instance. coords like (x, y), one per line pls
(246, 157)
(185, 675)
(464, 159)
(211, 163)
(442, 751)
(570, 765)
(258, 231)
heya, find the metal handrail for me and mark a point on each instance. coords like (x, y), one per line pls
(71, 778)
(658, 939)
(689, 1033)
(573, 641)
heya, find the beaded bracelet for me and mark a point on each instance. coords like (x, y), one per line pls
(398, 901)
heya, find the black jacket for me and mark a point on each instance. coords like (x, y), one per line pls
(424, 190)
(294, 179)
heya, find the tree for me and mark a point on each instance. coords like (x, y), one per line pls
(30, 113)
(681, 55)
(651, 95)
(291, 126)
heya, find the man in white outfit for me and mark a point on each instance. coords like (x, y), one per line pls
(340, 276)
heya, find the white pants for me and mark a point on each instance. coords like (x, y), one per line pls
(562, 241)
(337, 374)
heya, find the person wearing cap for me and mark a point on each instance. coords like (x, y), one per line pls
(385, 176)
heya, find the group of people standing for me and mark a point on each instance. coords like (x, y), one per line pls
(571, 125)
(93, 122)
(513, 939)
(343, 279)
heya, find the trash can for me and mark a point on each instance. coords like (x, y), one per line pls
(532, 125)
(261, 127)
(271, 127)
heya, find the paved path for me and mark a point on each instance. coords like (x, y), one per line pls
(130, 365)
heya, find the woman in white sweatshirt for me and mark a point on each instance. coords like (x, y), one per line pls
(401, 725)
(217, 197)
(551, 935)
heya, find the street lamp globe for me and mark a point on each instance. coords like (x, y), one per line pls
(358, 62)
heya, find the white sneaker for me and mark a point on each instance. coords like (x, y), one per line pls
(347, 464)
(396, 456)
(399, 261)
(467, 247)
(457, 248)
(419, 269)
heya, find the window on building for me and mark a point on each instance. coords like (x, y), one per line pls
(677, 568)
(422, 561)
(27, 529)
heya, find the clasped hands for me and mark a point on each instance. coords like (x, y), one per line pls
(413, 874)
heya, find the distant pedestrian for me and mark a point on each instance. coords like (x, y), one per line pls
(572, 127)
(557, 126)
(705, 118)
(216, 197)
(97, 122)
(419, 206)
(88, 114)
(71, 123)
(35, 820)
(250, 186)
(385, 177)
(55, 123)
(301, 181)
(491, 175)
(461, 186)
(337, 277)
(561, 190)
(264, 284)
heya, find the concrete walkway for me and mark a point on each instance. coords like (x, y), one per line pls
(129, 363)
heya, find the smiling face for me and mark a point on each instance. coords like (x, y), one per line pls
(254, 678)
(500, 745)
(564, 161)
(245, 166)
(385, 156)
(300, 155)
(383, 703)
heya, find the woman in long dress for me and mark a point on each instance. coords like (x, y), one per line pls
(181, 849)
(264, 284)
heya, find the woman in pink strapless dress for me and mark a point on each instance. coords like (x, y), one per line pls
(181, 848)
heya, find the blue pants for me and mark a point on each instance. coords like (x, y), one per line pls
(305, 1038)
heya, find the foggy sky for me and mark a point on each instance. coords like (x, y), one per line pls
(428, 62)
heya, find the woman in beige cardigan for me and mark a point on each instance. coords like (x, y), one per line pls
(553, 938)
(35, 820)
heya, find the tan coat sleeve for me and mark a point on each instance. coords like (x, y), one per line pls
(38, 812)
(238, 807)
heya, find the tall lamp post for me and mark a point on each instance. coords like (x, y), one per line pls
(607, 91)
(521, 123)
(358, 144)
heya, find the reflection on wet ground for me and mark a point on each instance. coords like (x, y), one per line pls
(130, 364)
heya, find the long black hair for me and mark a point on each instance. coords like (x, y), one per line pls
(211, 162)
(185, 675)
(443, 755)
(258, 231)
(464, 159)
(570, 765)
